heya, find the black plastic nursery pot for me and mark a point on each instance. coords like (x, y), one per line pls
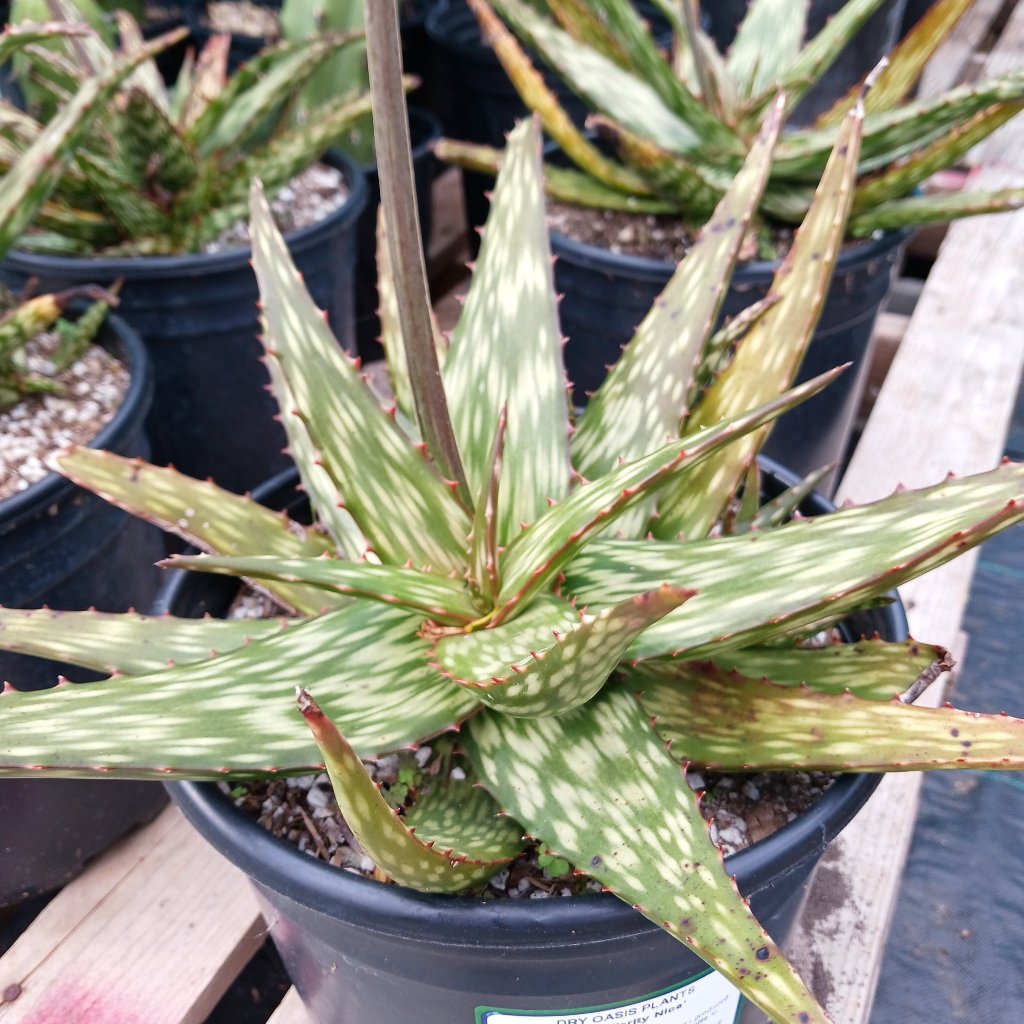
(873, 41)
(359, 950)
(607, 294)
(479, 104)
(424, 130)
(63, 547)
(197, 314)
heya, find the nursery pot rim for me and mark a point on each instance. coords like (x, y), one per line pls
(854, 250)
(200, 264)
(464, 921)
(596, 257)
(129, 349)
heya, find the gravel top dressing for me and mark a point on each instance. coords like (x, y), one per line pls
(94, 386)
(309, 197)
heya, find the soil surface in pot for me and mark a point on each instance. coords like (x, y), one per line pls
(94, 389)
(663, 238)
(307, 199)
(740, 809)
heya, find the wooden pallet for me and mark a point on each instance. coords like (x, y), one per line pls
(156, 930)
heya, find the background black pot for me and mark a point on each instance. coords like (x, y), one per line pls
(358, 950)
(875, 39)
(425, 130)
(478, 102)
(197, 315)
(63, 547)
(607, 294)
(475, 99)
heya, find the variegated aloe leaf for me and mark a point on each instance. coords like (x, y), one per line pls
(623, 96)
(918, 210)
(373, 465)
(151, 146)
(820, 53)
(644, 58)
(697, 62)
(802, 571)
(724, 721)
(201, 80)
(746, 505)
(534, 92)
(506, 350)
(146, 76)
(643, 400)
(599, 788)
(485, 549)
(872, 669)
(445, 600)
(28, 182)
(772, 351)
(906, 61)
(88, 50)
(584, 23)
(900, 180)
(560, 183)
(317, 482)
(720, 347)
(391, 337)
(132, 211)
(693, 189)
(767, 42)
(124, 642)
(234, 715)
(259, 88)
(17, 36)
(550, 678)
(538, 554)
(894, 134)
(781, 509)
(203, 514)
(460, 837)
(294, 149)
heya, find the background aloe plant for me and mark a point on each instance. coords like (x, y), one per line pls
(22, 321)
(566, 594)
(152, 170)
(679, 124)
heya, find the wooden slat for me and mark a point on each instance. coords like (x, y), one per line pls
(449, 246)
(153, 933)
(952, 63)
(290, 1010)
(945, 406)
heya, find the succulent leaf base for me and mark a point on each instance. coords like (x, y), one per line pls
(586, 603)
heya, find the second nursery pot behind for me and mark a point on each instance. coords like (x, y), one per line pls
(197, 315)
(607, 294)
(63, 547)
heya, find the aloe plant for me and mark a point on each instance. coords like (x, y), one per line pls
(158, 170)
(24, 321)
(678, 125)
(566, 593)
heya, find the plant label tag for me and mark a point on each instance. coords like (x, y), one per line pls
(707, 999)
